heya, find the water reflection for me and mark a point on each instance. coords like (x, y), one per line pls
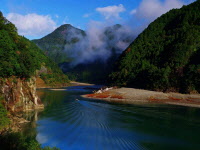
(68, 123)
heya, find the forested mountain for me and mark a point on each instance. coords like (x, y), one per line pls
(21, 63)
(22, 58)
(57, 45)
(85, 57)
(166, 55)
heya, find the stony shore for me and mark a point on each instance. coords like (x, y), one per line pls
(138, 96)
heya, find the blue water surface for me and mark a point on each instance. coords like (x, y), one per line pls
(71, 122)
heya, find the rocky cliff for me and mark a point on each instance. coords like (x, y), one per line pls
(21, 61)
(19, 94)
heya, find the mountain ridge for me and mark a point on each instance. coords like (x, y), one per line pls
(54, 43)
(21, 62)
(165, 55)
(82, 54)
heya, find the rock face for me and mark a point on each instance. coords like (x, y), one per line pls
(19, 94)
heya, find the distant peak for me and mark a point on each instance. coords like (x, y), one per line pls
(118, 25)
(65, 26)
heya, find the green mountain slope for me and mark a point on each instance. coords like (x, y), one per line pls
(22, 58)
(79, 56)
(21, 62)
(54, 44)
(166, 55)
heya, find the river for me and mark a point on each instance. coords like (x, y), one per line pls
(71, 122)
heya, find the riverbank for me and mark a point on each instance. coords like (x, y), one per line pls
(138, 96)
(40, 84)
(74, 83)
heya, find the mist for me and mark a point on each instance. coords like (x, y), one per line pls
(99, 42)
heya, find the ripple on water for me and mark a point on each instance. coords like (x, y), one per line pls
(91, 125)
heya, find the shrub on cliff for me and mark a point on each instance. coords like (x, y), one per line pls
(4, 121)
(17, 141)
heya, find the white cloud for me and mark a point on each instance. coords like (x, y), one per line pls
(97, 44)
(32, 24)
(151, 9)
(111, 11)
(133, 11)
(57, 16)
(86, 15)
(66, 20)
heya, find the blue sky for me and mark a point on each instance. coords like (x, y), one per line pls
(36, 18)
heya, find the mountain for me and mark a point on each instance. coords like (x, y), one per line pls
(85, 56)
(97, 69)
(22, 62)
(165, 56)
(57, 44)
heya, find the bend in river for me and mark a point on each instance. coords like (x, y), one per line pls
(71, 122)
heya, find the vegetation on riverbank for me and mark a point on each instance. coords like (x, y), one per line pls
(4, 120)
(14, 140)
(10, 140)
(165, 56)
(21, 62)
(18, 141)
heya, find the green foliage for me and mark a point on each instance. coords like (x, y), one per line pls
(94, 72)
(54, 44)
(165, 56)
(54, 78)
(18, 141)
(4, 120)
(58, 45)
(17, 54)
(20, 57)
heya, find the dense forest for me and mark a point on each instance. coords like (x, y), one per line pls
(22, 58)
(166, 55)
(61, 46)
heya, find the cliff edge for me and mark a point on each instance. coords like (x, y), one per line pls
(20, 94)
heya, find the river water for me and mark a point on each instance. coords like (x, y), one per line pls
(71, 122)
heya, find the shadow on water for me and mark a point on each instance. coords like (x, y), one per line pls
(72, 122)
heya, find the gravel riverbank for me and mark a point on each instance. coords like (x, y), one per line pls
(138, 96)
